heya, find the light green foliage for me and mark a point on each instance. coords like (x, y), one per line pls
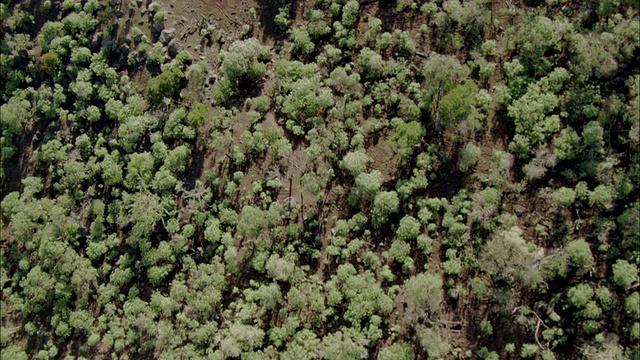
(368, 184)
(302, 41)
(407, 137)
(375, 27)
(469, 157)
(306, 100)
(409, 228)
(350, 13)
(507, 252)
(372, 63)
(384, 204)
(564, 196)
(177, 159)
(632, 305)
(198, 114)
(423, 291)
(579, 252)
(445, 71)
(316, 26)
(580, 295)
(365, 297)
(252, 221)
(348, 345)
(397, 351)
(282, 20)
(625, 274)
(528, 350)
(537, 40)
(534, 123)
(355, 162)
(432, 342)
(244, 60)
(279, 268)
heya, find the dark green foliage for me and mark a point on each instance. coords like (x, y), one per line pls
(165, 85)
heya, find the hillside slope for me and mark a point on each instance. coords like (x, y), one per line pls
(320, 179)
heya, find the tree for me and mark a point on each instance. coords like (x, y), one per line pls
(50, 62)
(457, 104)
(625, 274)
(534, 124)
(407, 137)
(355, 162)
(384, 204)
(423, 291)
(579, 252)
(469, 157)
(368, 184)
(252, 221)
(167, 84)
(396, 351)
(580, 295)
(505, 253)
(445, 71)
(564, 196)
(301, 41)
(409, 228)
(350, 13)
(244, 60)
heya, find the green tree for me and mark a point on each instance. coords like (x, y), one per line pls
(368, 184)
(384, 204)
(407, 137)
(625, 274)
(350, 13)
(167, 84)
(50, 62)
(457, 104)
(355, 162)
(409, 228)
(579, 252)
(423, 291)
(469, 157)
(302, 41)
(396, 351)
(252, 221)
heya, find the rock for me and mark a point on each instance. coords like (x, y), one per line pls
(174, 48)
(138, 38)
(167, 35)
(97, 40)
(158, 27)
